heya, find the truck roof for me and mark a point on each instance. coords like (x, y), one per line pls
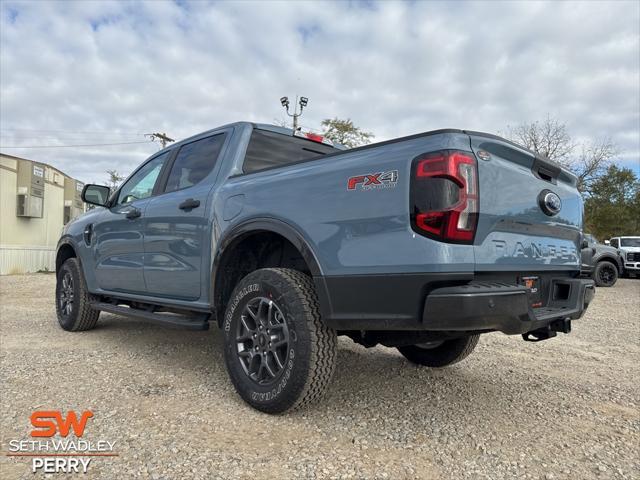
(340, 148)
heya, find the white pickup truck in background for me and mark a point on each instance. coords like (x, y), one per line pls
(629, 248)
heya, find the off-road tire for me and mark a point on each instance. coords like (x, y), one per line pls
(446, 353)
(80, 316)
(310, 352)
(605, 274)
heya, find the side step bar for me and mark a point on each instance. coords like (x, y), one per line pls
(194, 322)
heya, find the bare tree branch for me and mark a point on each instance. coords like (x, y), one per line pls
(280, 122)
(551, 139)
(592, 162)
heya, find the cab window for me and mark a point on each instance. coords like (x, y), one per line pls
(141, 184)
(269, 149)
(194, 162)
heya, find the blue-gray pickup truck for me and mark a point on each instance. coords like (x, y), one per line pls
(286, 241)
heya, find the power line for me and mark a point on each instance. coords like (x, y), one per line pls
(103, 132)
(65, 138)
(74, 146)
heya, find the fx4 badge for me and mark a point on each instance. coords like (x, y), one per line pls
(372, 181)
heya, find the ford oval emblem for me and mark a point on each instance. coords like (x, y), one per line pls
(550, 202)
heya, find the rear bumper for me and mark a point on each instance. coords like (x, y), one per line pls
(423, 302)
(505, 308)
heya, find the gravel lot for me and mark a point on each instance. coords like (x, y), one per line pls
(564, 408)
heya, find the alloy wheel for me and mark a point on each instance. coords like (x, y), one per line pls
(262, 340)
(66, 294)
(606, 274)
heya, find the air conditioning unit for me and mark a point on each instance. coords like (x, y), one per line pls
(22, 202)
(30, 199)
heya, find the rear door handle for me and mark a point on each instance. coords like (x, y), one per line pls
(189, 204)
(133, 213)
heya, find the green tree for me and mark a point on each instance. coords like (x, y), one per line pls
(345, 132)
(613, 204)
(114, 179)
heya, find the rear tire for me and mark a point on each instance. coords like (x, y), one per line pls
(605, 274)
(73, 301)
(278, 352)
(440, 354)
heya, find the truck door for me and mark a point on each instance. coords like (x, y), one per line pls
(118, 233)
(176, 222)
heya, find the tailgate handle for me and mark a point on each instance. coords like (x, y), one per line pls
(545, 170)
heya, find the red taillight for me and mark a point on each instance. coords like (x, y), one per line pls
(314, 137)
(444, 196)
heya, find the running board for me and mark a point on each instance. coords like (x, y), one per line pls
(195, 322)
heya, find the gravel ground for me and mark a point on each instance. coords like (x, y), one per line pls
(567, 408)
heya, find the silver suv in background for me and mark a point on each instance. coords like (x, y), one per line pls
(629, 248)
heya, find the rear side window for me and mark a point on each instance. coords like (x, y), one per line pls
(269, 149)
(194, 162)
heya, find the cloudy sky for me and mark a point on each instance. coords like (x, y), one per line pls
(77, 73)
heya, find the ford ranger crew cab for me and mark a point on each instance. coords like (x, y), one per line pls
(285, 241)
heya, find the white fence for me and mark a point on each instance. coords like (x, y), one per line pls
(26, 259)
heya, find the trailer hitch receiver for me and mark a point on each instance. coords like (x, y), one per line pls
(548, 331)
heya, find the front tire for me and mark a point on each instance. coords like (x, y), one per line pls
(73, 301)
(605, 274)
(278, 352)
(441, 353)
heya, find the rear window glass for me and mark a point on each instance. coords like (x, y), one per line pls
(269, 149)
(194, 162)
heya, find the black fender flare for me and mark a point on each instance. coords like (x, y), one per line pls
(262, 224)
(610, 258)
(65, 242)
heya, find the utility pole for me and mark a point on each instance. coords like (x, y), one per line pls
(284, 101)
(160, 136)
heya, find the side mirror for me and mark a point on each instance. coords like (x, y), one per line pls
(96, 194)
(607, 242)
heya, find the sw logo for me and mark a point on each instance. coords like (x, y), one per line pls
(371, 181)
(51, 422)
(56, 444)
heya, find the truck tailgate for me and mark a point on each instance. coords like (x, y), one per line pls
(518, 227)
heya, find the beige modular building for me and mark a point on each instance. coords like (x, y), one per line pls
(36, 201)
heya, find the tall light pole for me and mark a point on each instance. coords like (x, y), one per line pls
(284, 101)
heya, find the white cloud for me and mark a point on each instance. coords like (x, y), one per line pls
(394, 68)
